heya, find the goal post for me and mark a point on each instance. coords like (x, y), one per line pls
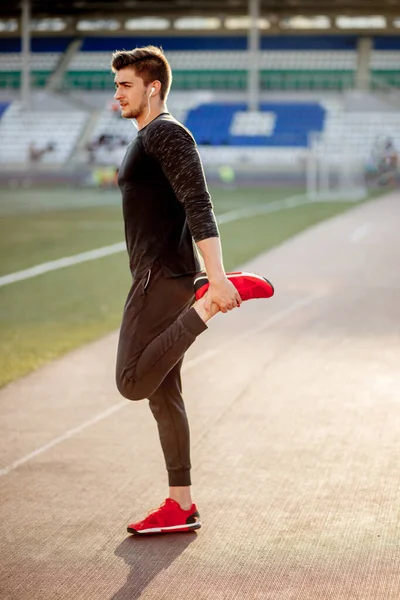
(334, 171)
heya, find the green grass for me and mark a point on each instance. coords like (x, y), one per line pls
(46, 316)
(39, 226)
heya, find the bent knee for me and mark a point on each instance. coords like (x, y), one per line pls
(129, 389)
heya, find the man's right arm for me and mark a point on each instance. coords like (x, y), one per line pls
(221, 292)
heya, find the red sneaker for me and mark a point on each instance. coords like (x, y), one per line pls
(249, 285)
(169, 518)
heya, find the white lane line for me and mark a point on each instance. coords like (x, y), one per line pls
(68, 261)
(61, 263)
(262, 209)
(205, 356)
(65, 436)
(359, 233)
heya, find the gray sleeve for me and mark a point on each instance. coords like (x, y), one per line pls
(176, 151)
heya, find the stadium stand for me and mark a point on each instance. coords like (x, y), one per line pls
(358, 131)
(225, 132)
(290, 62)
(45, 55)
(48, 137)
(109, 138)
(288, 124)
(385, 61)
(210, 74)
(212, 62)
(3, 107)
(111, 124)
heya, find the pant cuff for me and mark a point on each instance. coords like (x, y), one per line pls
(180, 477)
(193, 322)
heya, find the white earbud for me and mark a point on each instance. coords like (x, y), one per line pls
(153, 89)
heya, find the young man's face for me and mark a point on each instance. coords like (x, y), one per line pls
(131, 93)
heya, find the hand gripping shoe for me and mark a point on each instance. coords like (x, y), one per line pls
(249, 285)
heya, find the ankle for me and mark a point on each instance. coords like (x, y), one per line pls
(204, 314)
(182, 495)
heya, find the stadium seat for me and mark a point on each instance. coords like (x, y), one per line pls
(3, 107)
(212, 62)
(228, 69)
(19, 129)
(45, 55)
(213, 124)
(358, 132)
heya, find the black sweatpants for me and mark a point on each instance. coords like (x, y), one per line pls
(158, 326)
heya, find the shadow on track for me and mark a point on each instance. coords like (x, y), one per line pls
(147, 557)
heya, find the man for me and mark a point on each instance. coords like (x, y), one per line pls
(166, 205)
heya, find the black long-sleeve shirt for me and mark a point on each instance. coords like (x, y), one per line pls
(166, 203)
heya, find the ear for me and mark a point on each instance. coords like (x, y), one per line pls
(155, 87)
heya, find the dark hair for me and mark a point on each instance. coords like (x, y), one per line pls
(148, 62)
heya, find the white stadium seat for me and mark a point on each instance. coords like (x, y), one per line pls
(382, 60)
(39, 61)
(232, 60)
(19, 129)
(357, 132)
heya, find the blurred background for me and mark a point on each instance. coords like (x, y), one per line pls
(295, 106)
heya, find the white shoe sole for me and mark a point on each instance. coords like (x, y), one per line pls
(174, 529)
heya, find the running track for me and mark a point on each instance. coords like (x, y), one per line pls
(294, 406)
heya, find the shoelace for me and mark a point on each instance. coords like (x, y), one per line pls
(154, 512)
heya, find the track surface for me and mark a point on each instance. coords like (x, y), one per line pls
(295, 418)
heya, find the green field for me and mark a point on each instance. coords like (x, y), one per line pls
(44, 317)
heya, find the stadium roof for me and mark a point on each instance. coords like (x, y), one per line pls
(145, 8)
